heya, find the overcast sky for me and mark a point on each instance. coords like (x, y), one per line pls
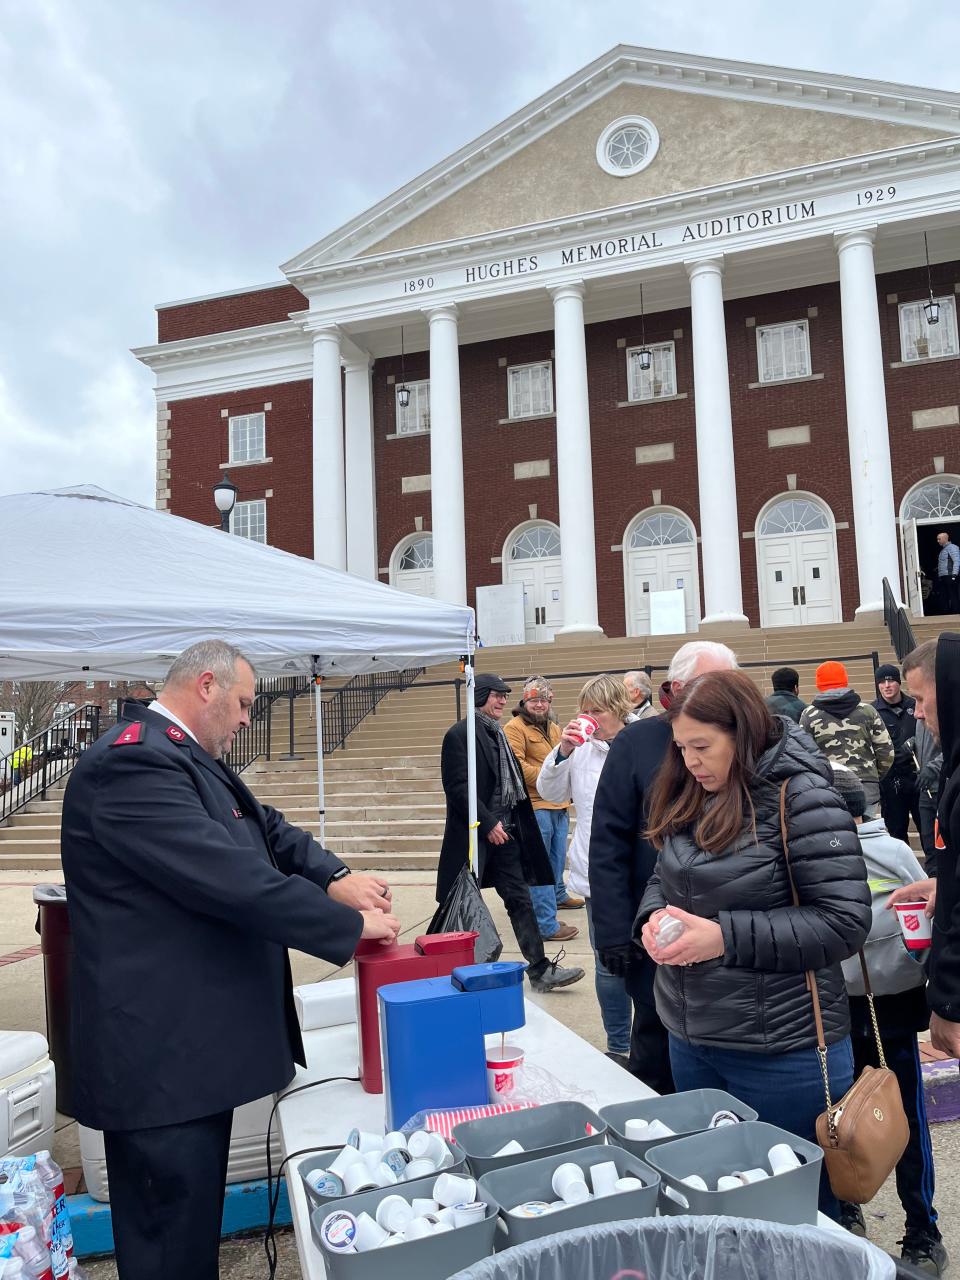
(158, 149)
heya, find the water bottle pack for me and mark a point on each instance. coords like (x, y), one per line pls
(36, 1242)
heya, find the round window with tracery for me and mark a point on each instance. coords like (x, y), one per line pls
(539, 543)
(663, 530)
(935, 500)
(418, 555)
(627, 145)
(794, 515)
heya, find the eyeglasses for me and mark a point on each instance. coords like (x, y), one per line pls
(531, 702)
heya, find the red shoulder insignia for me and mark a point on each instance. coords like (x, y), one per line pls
(132, 733)
(176, 733)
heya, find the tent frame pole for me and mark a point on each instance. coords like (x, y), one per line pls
(318, 716)
(472, 823)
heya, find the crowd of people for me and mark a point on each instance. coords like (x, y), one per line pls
(770, 836)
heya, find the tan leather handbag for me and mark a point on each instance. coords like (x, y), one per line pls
(866, 1132)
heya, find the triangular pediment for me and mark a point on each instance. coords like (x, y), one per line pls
(718, 122)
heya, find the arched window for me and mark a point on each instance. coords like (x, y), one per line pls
(540, 542)
(417, 554)
(933, 500)
(793, 515)
(661, 530)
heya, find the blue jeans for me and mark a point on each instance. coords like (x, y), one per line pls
(553, 824)
(785, 1089)
(616, 1007)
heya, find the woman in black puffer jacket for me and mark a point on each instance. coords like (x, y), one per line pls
(731, 990)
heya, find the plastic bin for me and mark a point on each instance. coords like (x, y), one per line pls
(532, 1181)
(56, 947)
(319, 1161)
(27, 1087)
(433, 1258)
(554, 1127)
(789, 1198)
(692, 1248)
(684, 1113)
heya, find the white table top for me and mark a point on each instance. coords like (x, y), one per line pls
(565, 1066)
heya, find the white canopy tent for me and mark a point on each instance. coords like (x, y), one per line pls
(95, 586)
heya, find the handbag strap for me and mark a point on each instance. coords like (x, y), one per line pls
(812, 977)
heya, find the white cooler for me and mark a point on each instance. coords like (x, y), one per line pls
(28, 1108)
(248, 1149)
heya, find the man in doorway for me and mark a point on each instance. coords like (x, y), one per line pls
(184, 893)
(510, 851)
(640, 691)
(948, 570)
(898, 789)
(622, 858)
(785, 699)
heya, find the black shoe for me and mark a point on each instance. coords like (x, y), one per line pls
(925, 1251)
(851, 1219)
(621, 1059)
(554, 977)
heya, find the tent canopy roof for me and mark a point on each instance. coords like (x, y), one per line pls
(100, 587)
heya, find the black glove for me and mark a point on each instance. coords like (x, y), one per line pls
(616, 960)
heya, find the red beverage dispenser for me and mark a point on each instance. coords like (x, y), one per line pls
(432, 955)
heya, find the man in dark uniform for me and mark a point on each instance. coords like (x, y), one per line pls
(184, 893)
(899, 789)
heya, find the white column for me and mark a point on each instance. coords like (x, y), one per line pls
(578, 557)
(360, 473)
(871, 477)
(446, 459)
(329, 503)
(716, 476)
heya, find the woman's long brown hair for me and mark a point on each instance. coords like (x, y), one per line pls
(731, 702)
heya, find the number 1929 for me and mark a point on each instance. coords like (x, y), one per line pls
(874, 195)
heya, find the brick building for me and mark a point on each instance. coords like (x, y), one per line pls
(664, 330)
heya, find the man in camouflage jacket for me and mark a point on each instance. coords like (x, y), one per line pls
(849, 731)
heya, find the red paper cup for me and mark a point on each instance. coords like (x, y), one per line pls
(915, 924)
(588, 727)
(502, 1066)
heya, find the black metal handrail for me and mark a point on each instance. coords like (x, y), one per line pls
(254, 741)
(39, 762)
(898, 624)
(357, 699)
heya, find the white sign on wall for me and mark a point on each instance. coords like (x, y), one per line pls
(500, 615)
(668, 613)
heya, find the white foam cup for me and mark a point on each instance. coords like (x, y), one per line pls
(694, 1180)
(603, 1178)
(385, 1176)
(503, 1064)
(358, 1178)
(448, 1215)
(747, 1176)
(512, 1148)
(421, 1206)
(628, 1183)
(370, 1234)
(365, 1141)
(398, 1238)
(636, 1129)
(783, 1158)
(450, 1189)
(569, 1183)
(393, 1213)
(729, 1182)
(373, 1160)
(915, 925)
(657, 1129)
(465, 1214)
(419, 1169)
(342, 1162)
(418, 1229)
(394, 1140)
(426, 1146)
(440, 1227)
(675, 1195)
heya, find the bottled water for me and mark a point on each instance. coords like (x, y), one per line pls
(34, 1253)
(58, 1215)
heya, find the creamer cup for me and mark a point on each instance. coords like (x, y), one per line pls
(325, 1183)
(338, 1231)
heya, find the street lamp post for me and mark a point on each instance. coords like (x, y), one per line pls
(225, 496)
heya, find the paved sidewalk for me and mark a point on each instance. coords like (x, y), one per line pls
(21, 1008)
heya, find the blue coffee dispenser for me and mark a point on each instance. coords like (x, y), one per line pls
(432, 1034)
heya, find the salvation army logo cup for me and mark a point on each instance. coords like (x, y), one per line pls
(502, 1068)
(915, 924)
(587, 727)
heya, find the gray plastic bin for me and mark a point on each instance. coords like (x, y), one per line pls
(691, 1248)
(556, 1126)
(788, 1198)
(319, 1161)
(684, 1113)
(433, 1258)
(532, 1181)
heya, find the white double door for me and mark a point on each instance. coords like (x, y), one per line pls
(666, 568)
(799, 580)
(417, 582)
(542, 582)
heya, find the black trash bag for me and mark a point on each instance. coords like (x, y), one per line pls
(464, 909)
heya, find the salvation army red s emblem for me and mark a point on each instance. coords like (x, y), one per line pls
(911, 922)
(176, 734)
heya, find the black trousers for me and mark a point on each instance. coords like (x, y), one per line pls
(166, 1198)
(649, 1044)
(899, 801)
(502, 870)
(915, 1172)
(947, 595)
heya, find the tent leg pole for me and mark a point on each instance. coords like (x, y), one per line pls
(320, 793)
(472, 834)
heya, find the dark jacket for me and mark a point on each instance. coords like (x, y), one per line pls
(943, 991)
(755, 996)
(184, 893)
(621, 858)
(527, 842)
(784, 703)
(899, 722)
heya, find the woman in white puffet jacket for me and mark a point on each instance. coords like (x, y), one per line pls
(571, 773)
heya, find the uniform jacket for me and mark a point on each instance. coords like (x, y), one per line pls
(784, 703)
(930, 760)
(850, 732)
(755, 996)
(575, 778)
(527, 843)
(531, 745)
(899, 722)
(943, 991)
(184, 893)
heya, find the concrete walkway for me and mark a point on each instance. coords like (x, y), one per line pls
(22, 1008)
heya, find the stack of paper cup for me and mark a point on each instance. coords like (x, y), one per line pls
(569, 1183)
